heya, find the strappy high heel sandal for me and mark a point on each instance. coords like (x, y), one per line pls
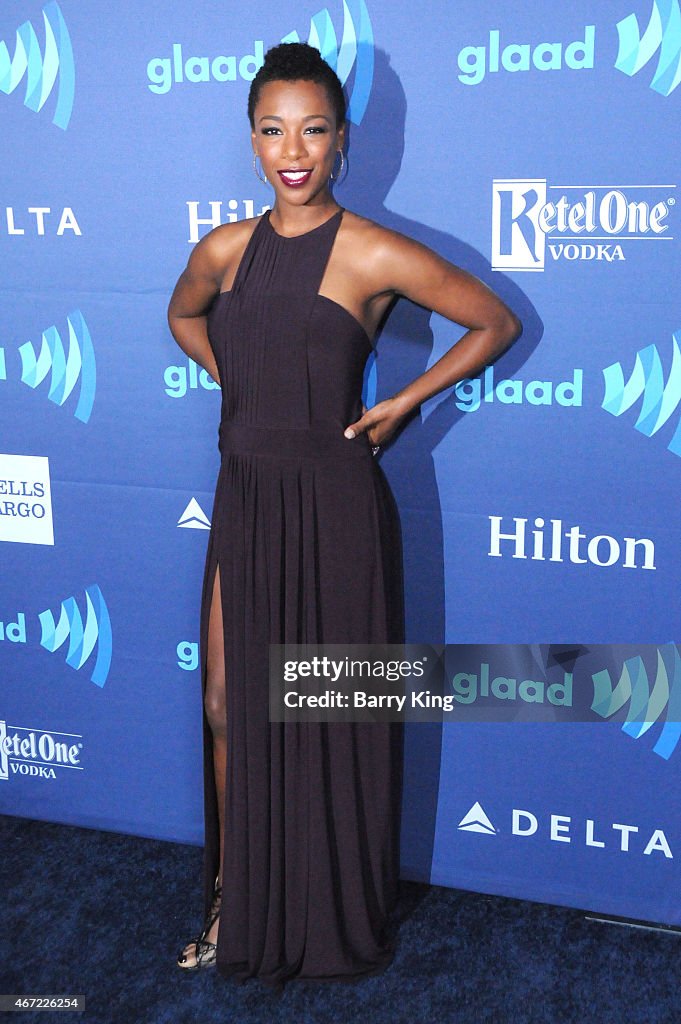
(205, 951)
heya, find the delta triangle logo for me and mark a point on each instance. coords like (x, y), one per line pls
(476, 820)
(193, 517)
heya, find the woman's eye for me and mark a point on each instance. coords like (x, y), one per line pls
(314, 129)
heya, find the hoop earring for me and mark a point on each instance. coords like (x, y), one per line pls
(255, 168)
(340, 169)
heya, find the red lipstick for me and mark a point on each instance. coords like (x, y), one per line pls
(295, 178)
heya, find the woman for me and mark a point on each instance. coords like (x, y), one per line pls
(302, 819)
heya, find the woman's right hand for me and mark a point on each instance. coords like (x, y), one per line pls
(381, 419)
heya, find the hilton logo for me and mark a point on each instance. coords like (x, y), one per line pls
(547, 545)
(217, 216)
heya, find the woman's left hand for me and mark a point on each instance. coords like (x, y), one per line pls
(379, 422)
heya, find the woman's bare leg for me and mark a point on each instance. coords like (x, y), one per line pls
(215, 705)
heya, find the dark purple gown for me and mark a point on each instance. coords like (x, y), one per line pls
(306, 534)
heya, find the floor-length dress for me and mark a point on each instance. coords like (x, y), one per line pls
(306, 535)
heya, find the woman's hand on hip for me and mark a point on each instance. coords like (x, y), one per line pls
(380, 422)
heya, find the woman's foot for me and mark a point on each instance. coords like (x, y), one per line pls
(201, 952)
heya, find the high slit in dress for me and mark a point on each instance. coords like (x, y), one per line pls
(306, 534)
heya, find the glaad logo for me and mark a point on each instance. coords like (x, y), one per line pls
(82, 636)
(602, 550)
(646, 705)
(355, 52)
(664, 34)
(193, 517)
(187, 655)
(66, 368)
(42, 70)
(36, 752)
(525, 823)
(660, 399)
(164, 73)
(470, 392)
(179, 380)
(475, 61)
(467, 687)
(584, 223)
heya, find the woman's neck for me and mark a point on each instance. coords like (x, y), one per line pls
(291, 220)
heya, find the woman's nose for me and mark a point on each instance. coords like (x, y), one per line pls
(294, 147)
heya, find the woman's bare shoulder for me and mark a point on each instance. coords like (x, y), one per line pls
(374, 238)
(219, 248)
(227, 239)
(383, 252)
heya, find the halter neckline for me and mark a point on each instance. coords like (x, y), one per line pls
(304, 234)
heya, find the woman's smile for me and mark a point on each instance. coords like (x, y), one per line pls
(295, 179)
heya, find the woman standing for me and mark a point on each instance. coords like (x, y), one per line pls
(302, 819)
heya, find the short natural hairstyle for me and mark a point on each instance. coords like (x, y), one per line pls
(293, 62)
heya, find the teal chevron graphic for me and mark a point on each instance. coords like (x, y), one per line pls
(82, 637)
(646, 706)
(66, 369)
(660, 398)
(664, 34)
(356, 50)
(42, 71)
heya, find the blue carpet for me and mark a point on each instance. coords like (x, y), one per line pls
(104, 915)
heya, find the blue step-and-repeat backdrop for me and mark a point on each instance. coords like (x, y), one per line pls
(534, 145)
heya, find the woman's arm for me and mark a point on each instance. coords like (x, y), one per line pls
(403, 266)
(192, 296)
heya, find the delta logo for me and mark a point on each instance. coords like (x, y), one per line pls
(617, 837)
(193, 517)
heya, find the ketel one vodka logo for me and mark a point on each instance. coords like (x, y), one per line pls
(533, 222)
(37, 752)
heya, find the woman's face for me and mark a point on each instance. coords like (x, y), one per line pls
(296, 139)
